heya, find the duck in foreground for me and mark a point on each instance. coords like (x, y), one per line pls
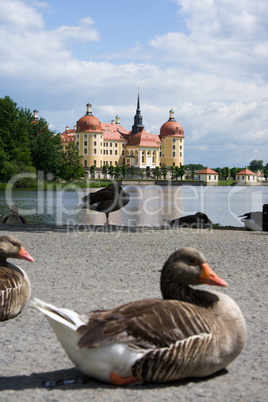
(188, 333)
(197, 221)
(106, 200)
(13, 217)
(256, 220)
(15, 287)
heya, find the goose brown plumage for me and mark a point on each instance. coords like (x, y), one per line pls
(108, 199)
(15, 287)
(188, 333)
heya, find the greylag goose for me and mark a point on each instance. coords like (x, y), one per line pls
(256, 220)
(106, 200)
(197, 221)
(13, 216)
(190, 333)
(15, 288)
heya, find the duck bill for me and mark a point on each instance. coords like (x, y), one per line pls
(210, 278)
(24, 255)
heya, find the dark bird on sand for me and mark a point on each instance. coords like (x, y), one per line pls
(13, 217)
(15, 288)
(106, 200)
(256, 220)
(197, 221)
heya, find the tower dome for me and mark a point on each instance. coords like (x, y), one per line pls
(88, 123)
(171, 127)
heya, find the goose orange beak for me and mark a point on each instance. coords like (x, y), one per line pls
(24, 255)
(210, 278)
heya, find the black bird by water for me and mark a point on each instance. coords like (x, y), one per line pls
(106, 200)
(197, 221)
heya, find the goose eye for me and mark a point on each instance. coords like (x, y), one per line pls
(193, 260)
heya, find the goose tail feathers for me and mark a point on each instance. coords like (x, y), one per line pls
(64, 316)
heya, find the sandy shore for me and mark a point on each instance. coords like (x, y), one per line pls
(84, 270)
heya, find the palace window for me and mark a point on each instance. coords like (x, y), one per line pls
(180, 154)
(85, 135)
(115, 145)
(95, 143)
(95, 163)
(85, 151)
(85, 163)
(174, 146)
(111, 144)
(85, 143)
(95, 151)
(115, 152)
(95, 136)
(174, 154)
(111, 151)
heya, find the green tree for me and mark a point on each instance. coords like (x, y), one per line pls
(148, 171)
(46, 149)
(92, 170)
(117, 171)
(14, 139)
(132, 171)
(176, 172)
(225, 172)
(141, 173)
(157, 172)
(172, 171)
(181, 171)
(70, 164)
(234, 171)
(218, 170)
(195, 166)
(256, 165)
(124, 170)
(164, 171)
(193, 172)
(104, 170)
(265, 171)
(111, 170)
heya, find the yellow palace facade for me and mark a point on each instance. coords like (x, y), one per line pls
(111, 144)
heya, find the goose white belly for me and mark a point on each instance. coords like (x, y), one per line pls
(97, 362)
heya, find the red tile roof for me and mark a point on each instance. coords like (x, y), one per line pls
(68, 135)
(144, 139)
(171, 128)
(114, 132)
(247, 172)
(207, 170)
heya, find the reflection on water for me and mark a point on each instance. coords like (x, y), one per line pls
(148, 205)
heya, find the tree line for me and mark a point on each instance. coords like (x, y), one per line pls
(30, 146)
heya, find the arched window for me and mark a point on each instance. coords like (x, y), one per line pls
(143, 157)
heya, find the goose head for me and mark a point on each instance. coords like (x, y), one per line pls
(186, 266)
(11, 247)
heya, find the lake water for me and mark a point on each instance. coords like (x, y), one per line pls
(148, 205)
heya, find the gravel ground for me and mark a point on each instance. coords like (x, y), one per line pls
(84, 270)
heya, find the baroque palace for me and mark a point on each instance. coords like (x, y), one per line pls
(111, 144)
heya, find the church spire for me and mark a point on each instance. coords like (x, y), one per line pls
(137, 126)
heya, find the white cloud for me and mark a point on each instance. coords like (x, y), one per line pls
(213, 75)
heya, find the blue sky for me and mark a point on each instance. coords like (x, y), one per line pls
(207, 59)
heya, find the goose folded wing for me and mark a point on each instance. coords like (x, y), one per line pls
(145, 324)
(10, 279)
